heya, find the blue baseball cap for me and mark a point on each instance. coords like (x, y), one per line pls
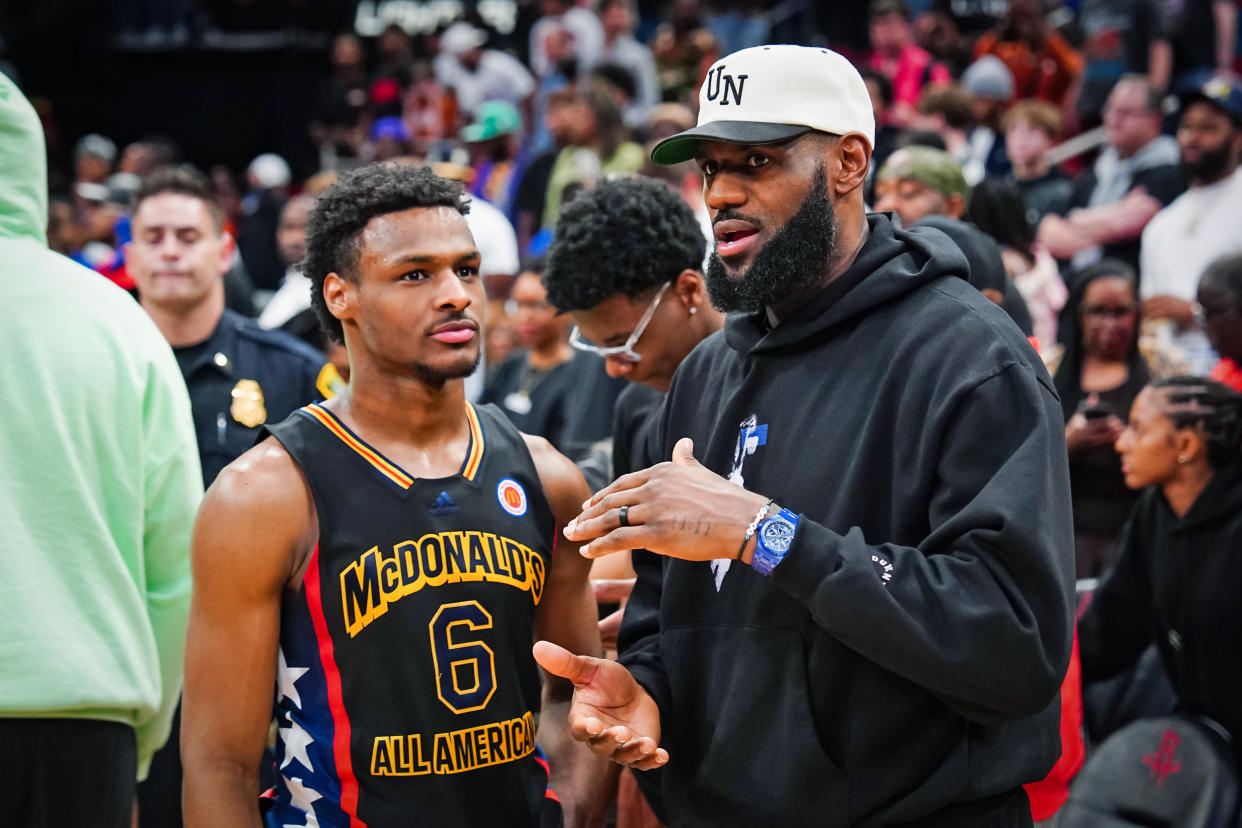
(1221, 92)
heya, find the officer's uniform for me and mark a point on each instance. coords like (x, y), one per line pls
(243, 377)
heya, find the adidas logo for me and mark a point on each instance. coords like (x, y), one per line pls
(444, 505)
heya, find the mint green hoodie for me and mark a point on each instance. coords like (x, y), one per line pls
(99, 477)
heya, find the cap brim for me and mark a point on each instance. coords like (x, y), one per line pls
(1197, 96)
(683, 145)
(473, 133)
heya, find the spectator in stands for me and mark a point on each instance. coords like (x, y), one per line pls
(880, 88)
(1178, 576)
(1120, 37)
(1031, 129)
(340, 103)
(1041, 62)
(98, 489)
(621, 48)
(1203, 38)
(683, 49)
(293, 295)
(93, 158)
(268, 177)
(996, 208)
(920, 181)
(1202, 224)
(1100, 372)
(895, 55)
(948, 111)
(925, 185)
(1220, 301)
(144, 157)
(1134, 177)
(498, 157)
(990, 85)
(585, 35)
(599, 145)
(542, 387)
(395, 61)
(477, 74)
(389, 139)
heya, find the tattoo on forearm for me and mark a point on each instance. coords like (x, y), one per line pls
(693, 527)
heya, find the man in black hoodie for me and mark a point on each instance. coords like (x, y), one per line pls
(863, 613)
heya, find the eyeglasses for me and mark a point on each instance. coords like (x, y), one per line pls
(624, 352)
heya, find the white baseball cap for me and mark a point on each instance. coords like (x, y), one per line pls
(767, 94)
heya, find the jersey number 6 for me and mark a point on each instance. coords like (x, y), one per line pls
(465, 668)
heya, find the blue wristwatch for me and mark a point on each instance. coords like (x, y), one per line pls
(773, 540)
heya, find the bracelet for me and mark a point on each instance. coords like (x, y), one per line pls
(754, 524)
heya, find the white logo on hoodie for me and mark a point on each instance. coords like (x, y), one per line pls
(750, 436)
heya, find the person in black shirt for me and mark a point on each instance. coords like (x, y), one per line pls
(1100, 372)
(1179, 574)
(1031, 129)
(860, 498)
(548, 388)
(1135, 176)
(626, 265)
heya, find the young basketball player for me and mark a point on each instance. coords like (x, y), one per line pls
(381, 563)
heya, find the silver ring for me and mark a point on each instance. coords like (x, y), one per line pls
(623, 515)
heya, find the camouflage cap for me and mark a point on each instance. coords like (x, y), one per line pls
(929, 166)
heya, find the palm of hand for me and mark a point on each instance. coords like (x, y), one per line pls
(615, 700)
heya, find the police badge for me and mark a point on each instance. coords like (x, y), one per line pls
(247, 407)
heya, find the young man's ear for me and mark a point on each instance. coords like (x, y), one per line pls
(338, 295)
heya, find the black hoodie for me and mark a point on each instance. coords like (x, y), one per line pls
(902, 663)
(1177, 582)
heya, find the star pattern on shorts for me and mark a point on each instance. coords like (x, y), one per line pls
(720, 568)
(296, 741)
(286, 678)
(302, 797)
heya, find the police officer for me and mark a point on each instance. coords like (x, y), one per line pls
(239, 375)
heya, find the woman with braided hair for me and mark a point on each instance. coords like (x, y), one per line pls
(1178, 578)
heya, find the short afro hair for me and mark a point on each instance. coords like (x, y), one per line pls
(343, 210)
(623, 236)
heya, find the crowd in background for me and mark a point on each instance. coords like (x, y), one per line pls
(1083, 154)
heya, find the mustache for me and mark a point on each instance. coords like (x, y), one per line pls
(455, 316)
(732, 215)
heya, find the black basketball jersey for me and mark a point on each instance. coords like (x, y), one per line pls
(406, 690)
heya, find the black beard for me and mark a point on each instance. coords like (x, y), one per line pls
(436, 376)
(1212, 164)
(791, 261)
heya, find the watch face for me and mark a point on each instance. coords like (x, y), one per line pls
(778, 534)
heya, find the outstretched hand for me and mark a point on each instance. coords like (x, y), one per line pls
(680, 508)
(610, 711)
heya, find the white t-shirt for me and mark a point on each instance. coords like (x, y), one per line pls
(290, 299)
(1198, 227)
(499, 76)
(495, 237)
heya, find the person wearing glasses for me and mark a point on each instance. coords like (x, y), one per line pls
(625, 264)
(548, 388)
(858, 490)
(1100, 372)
